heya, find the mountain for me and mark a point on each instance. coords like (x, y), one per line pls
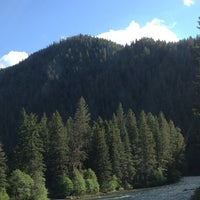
(150, 75)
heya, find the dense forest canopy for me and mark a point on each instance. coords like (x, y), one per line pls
(147, 75)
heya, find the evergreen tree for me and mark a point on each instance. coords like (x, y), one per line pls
(153, 124)
(127, 163)
(29, 153)
(3, 168)
(3, 180)
(163, 147)
(79, 183)
(92, 185)
(100, 155)
(177, 146)
(133, 132)
(57, 162)
(116, 148)
(148, 162)
(79, 137)
(44, 135)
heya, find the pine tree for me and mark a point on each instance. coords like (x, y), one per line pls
(100, 155)
(127, 162)
(164, 154)
(133, 132)
(177, 146)
(29, 153)
(79, 138)
(44, 135)
(153, 124)
(116, 148)
(57, 161)
(148, 163)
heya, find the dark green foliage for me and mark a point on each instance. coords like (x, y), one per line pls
(124, 152)
(148, 156)
(127, 162)
(100, 155)
(193, 148)
(29, 148)
(116, 148)
(79, 136)
(164, 154)
(3, 168)
(57, 158)
(29, 154)
(65, 187)
(105, 74)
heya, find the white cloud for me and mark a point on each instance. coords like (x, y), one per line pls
(12, 58)
(155, 29)
(188, 2)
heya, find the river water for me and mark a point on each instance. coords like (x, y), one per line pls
(182, 190)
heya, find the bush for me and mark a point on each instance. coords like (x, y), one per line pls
(92, 185)
(39, 190)
(65, 187)
(20, 185)
(3, 194)
(174, 176)
(79, 184)
(112, 185)
(158, 177)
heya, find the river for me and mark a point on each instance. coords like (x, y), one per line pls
(182, 190)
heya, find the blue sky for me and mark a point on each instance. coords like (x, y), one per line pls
(30, 25)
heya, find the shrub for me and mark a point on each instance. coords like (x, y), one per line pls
(174, 176)
(112, 185)
(20, 185)
(158, 177)
(3, 194)
(65, 187)
(92, 185)
(79, 184)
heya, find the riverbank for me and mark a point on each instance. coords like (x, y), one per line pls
(183, 190)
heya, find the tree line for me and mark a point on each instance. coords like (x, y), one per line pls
(145, 75)
(56, 157)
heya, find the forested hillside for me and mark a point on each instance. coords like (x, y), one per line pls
(148, 75)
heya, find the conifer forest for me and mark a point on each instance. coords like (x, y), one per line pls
(86, 115)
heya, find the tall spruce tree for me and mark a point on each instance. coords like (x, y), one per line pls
(153, 124)
(57, 160)
(164, 154)
(29, 153)
(79, 137)
(116, 148)
(100, 154)
(127, 163)
(148, 162)
(133, 132)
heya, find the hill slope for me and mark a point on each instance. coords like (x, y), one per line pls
(147, 75)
